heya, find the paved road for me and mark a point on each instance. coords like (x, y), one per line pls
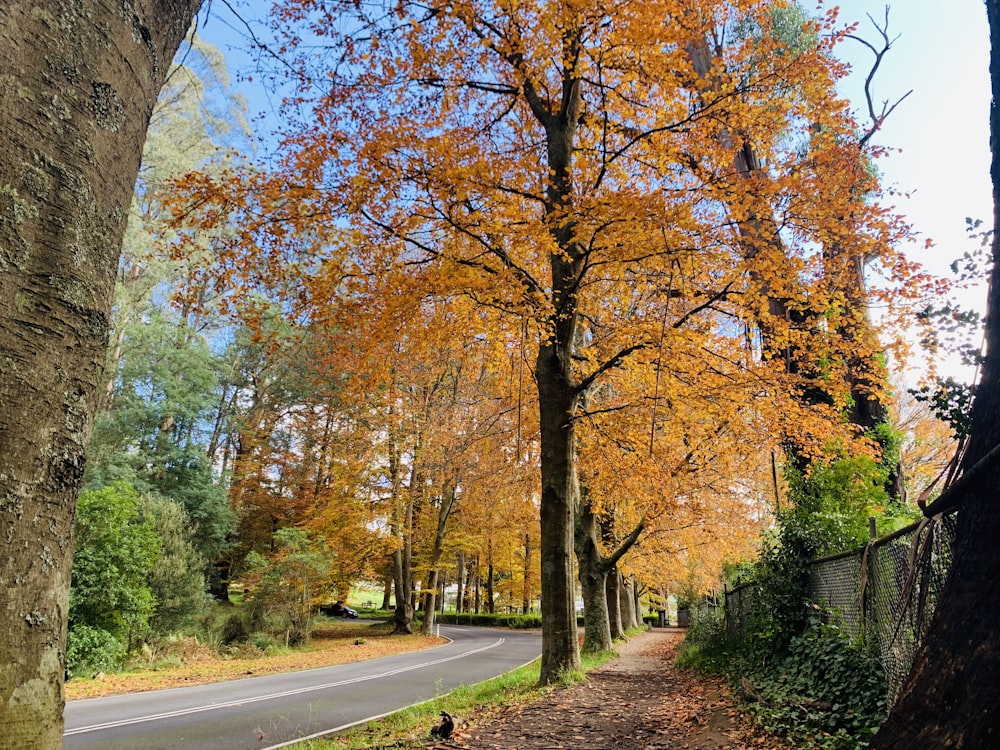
(264, 713)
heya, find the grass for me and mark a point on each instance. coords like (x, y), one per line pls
(410, 727)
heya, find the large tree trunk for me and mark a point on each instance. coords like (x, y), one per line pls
(949, 699)
(557, 401)
(595, 569)
(430, 603)
(403, 613)
(612, 583)
(80, 80)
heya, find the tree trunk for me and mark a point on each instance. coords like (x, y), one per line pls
(593, 583)
(595, 569)
(477, 601)
(490, 601)
(80, 81)
(612, 585)
(460, 580)
(387, 593)
(448, 498)
(949, 699)
(526, 581)
(430, 603)
(626, 603)
(556, 403)
(403, 614)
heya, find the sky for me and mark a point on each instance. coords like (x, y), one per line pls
(941, 129)
(939, 132)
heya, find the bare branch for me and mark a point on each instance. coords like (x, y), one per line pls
(879, 117)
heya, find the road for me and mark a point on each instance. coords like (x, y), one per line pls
(264, 713)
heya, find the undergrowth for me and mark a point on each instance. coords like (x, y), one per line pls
(822, 691)
(800, 676)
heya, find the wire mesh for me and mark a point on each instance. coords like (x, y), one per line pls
(883, 595)
(836, 585)
(905, 576)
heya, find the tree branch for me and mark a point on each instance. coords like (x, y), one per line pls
(877, 118)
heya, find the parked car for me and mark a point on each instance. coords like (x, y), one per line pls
(338, 609)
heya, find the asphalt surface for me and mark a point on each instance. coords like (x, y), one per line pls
(264, 713)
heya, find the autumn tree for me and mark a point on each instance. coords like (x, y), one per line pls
(947, 700)
(83, 80)
(563, 164)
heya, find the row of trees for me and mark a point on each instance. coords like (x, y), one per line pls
(637, 229)
(253, 429)
(657, 216)
(365, 398)
(366, 422)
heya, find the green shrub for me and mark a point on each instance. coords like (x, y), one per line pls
(826, 693)
(177, 580)
(116, 551)
(705, 647)
(90, 650)
(264, 641)
(234, 631)
(486, 620)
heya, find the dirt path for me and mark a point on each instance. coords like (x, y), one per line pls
(638, 700)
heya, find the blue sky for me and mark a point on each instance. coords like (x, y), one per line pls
(942, 128)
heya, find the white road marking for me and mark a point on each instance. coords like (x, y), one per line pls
(272, 696)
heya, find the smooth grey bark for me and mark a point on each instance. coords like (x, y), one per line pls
(595, 568)
(79, 82)
(627, 600)
(593, 584)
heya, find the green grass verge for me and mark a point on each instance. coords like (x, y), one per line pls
(410, 727)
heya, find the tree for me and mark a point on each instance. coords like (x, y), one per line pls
(155, 433)
(162, 375)
(83, 79)
(116, 550)
(948, 699)
(561, 164)
(178, 579)
(286, 582)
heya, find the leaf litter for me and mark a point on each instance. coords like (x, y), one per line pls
(638, 701)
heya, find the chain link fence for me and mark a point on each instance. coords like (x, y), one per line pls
(883, 594)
